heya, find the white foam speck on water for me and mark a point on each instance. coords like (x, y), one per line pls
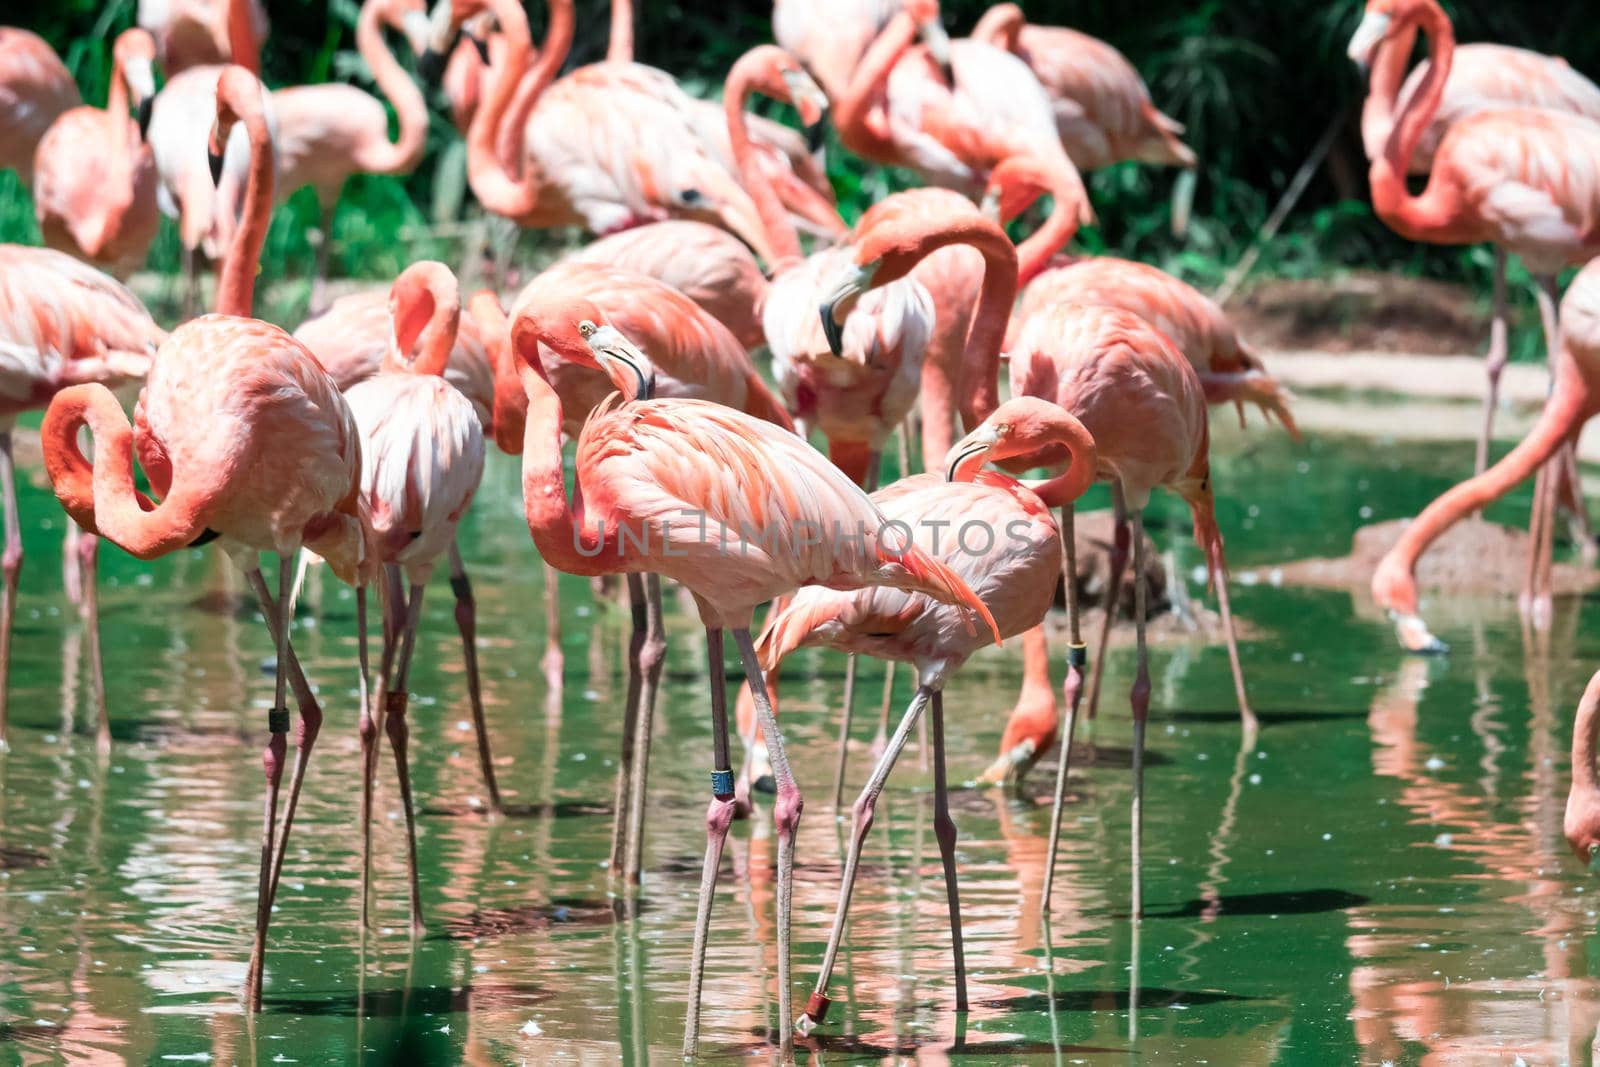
(530, 1029)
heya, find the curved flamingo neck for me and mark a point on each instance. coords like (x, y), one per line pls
(405, 152)
(1434, 211)
(496, 188)
(243, 49)
(236, 282)
(1388, 74)
(1064, 429)
(850, 115)
(102, 498)
(556, 524)
(546, 65)
(1573, 401)
(1000, 26)
(620, 48)
(743, 79)
(1036, 251)
(980, 371)
(423, 349)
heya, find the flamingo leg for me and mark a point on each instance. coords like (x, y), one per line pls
(272, 765)
(553, 659)
(11, 563)
(719, 816)
(1539, 591)
(1139, 700)
(845, 714)
(882, 739)
(1249, 725)
(623, 797)
(1072, 691)
(399, 732)
(1119, 563)
(191, 283)
(861, 822)
(1571, 498)
(944, 828)
(1494, 362)
(389, 593)
(467, 623)
(88, 552)
(652, 657)
(319, 277)
(786, 811)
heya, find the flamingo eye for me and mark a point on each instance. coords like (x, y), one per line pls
(587, 328)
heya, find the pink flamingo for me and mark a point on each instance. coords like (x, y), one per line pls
(600, 148)
(1102, 107)
(421, 462)
(62, 323)
(1526, 181)
(35, 89)
(207, 208)
(1482, 77)
(830, 37)
(999, 536)
(244, 437)
(694, 357)
(356, 339)
(94, 180)
(328, 132)
(205, 33)
(1574, 400)
(720, 501)
(948, 110)
(1582, 822)
(1145, 408)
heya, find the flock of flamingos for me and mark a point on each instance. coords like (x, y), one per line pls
(360, 438)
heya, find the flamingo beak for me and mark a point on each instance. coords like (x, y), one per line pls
(440, 39)
(976, 446)
(418, 28)
(841, 296)
(627, 367)
(933, 35)
(145, 110)
(1415, 636)
(812, 103)
(1369, 35)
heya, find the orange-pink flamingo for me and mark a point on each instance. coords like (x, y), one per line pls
(1482, 77)
(950, 110)
(1526, 181)
(1102, 107)
(722, 502)
(62, 323)
(693, 356)
(244, 438)
(999, 536)
(205, 33)
(421, 462)
(35, 88)
(600, 148)
(328, 132)
(1144, 406)
(94, 178)
(1574, 400)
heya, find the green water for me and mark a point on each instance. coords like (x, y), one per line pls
(1383, 878)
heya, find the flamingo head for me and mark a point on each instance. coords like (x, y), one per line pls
(240, 98)
(930, 29)
(1581, 825)
(575, 328)
(135, 54)
(434, 42)
(1013, 187)
(1379, 20)
(425, 314)
(1029, 432)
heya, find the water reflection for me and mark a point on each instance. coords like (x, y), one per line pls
(1383, 878)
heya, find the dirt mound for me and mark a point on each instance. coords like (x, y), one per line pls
(1362, 312)
(1473, 557)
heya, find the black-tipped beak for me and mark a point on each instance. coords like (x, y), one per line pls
(430, 65)
(214, 160)
(480, 44)
(831, 328)
(206, 537)
(852, 283)
(817, 133)
(146, 109)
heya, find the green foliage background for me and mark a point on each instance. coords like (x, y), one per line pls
(1256, 82)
